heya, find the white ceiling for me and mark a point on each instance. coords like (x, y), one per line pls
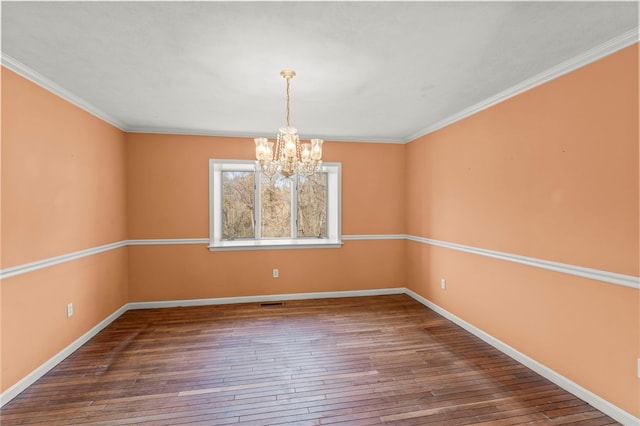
(367, 71)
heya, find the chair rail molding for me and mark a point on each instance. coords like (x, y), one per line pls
(565, 268)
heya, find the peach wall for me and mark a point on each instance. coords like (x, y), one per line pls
(177, 272)
(168, 198)
(63, 190)
(552, 174)
(62, 161)
(35, 325)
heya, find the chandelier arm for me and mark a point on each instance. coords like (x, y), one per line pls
(287, 157)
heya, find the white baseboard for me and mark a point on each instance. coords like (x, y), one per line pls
(596, 401)
(27, 381)
(591, 398)
(264, 298)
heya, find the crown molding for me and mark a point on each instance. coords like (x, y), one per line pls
(250, 135)
(42, 81)
(617, 43)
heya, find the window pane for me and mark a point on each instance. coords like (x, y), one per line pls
(237, 205)
(312, 206)
(276, 208)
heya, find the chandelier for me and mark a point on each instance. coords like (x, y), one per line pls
(288, 156)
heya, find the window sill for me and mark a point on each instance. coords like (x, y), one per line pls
(275, 244)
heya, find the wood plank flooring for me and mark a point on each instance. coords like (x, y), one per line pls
(352, 361)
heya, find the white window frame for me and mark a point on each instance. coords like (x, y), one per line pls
(334, 211)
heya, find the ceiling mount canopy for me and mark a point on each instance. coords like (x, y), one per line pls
(288, 156)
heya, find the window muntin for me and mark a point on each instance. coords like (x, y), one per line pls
(268, 222)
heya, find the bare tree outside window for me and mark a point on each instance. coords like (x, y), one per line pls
(237, 205)
(250, 210)
(276, 208)
(312, 205)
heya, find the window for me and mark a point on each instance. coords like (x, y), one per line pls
(249, 211)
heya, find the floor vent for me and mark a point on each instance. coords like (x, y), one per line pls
(271, 304)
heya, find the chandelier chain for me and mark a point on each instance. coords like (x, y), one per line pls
(287, 156)
(288, 99)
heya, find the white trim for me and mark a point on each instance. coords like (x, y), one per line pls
(580, 271)
(249, 135)
(166, 241)
(611, 46)
(617, 43)
(293, 201)
(265, 298)
(374, 237)
(334, 200)
(31, 378)
(591, 398)
(334, 210)
(577, 390)
(44, 368)
(42, 81)
(276, 244)
(39, 264)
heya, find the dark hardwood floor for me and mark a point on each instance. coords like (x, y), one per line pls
(353, 361)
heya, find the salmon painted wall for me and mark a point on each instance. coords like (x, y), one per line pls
(551, 173)
(168, 198)
(63, 190)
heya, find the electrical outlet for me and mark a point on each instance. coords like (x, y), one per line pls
(276, 273)
(69, 310)
(443, 284)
